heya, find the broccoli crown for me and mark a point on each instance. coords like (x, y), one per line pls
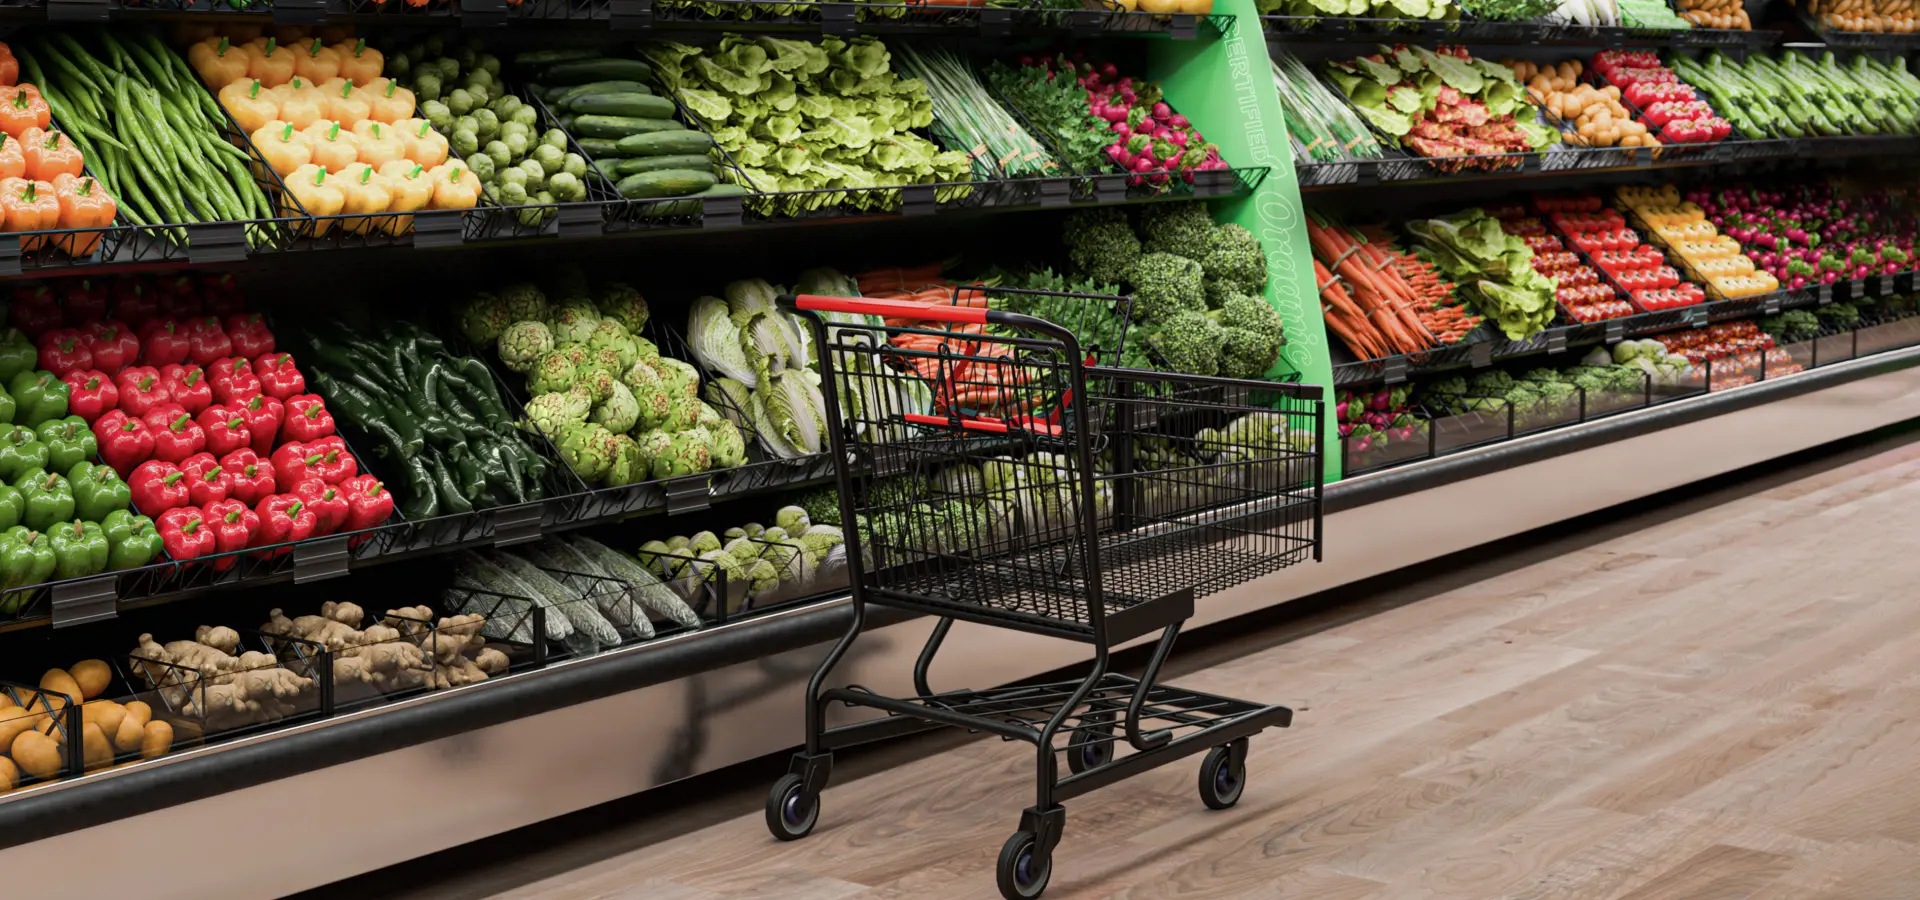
(1189, 342)
(1233, 256)
(1492, 383)
(1101, 245)
(1252, 338)
(1253, 314)
(1165, 284)
(1182, 229)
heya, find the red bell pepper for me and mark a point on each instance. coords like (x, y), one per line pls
(91, 394)
(252, 476)
(85, 300)
(140, 390)
(175, 438)
(125, 442)
(64, 350)
(187, 385)
(35, 311)
(163, 343)
(278, 376)
(226, 429)
(283, 518)
(263, 415)
(180, 298)
(329, 505)
(159, 486)
(369, 502)
(184, 533)
(221, 294)
(113, 345)
(207, 341)
(134, 303)
(293, 463)
(233, 379)
(234, 526)
(249, 334)
(307, 419)
(336, 464)
(206, 481)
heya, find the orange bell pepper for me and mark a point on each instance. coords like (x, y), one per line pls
(29, 206)
(425, 146)
(366, 193)
(269, 62)
(282, 147)
(84, 204)
(21, 108)
(300, 102)
(250, 104)
(50, 153)
(379, 143)
(346, 104)
(391, 102)
(218, 62)
(9, 67)
(359, 63)
(333, 148)
(316, 193)
(316, 62)
(13, 160)
(411, 187)
(454, 187)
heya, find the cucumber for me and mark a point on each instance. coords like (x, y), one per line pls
(590, 70)
(549, 57)
(620, 127)
(601, 148)
(561, 96)
(609, 169)
(638, 106)
(635, 166)
(688, 206)
(668, 183)
(665, 143)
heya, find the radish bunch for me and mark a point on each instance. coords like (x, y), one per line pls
(1148, 137)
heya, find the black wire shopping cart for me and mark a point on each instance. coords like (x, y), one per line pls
(993, 475)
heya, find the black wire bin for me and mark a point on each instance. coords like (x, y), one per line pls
(1000, 477)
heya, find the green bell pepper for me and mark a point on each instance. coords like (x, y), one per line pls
(21, 451)
(70, 442)
(40, 396)
(13, 506)
(49, 501)
(97, 491)
(132, 541)
(26, 557)
(79, 549)
(17, 354)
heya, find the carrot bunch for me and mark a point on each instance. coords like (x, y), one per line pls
(1378, 300)
(968, 375)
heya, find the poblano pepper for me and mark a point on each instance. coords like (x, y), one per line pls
(79, 549)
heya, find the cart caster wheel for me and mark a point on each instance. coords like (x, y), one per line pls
(1089, 748)
(1021, 875)
(791, 814)
(1221, 782)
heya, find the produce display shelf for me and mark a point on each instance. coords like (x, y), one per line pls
(1837, 39)
(1283, 30)
(1562, 160)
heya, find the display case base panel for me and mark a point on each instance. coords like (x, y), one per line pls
(324, 824)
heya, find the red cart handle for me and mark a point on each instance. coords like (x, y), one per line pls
(987, 423)
(893, 309)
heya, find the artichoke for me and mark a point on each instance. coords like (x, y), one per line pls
(687, 454)
(523, 343)
(654, 445)
(681, 375)
(685, 413)
(483, 318)
(729, 447)
(600, 383)
(611, 336)
(628, 466)
(551, 414)
(572, 323)
(553, 373)
(588, 448)
(623, 304)
(651, 395)
(523, 302)
(646, 348)
(708, 416)
(609, 360)
(619, 410)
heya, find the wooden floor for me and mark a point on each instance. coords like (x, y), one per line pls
(1720, 701)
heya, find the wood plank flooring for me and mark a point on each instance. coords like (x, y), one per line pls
(1718, 703)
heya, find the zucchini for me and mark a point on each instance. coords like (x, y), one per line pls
(666, 183)
(549, 57)
(638, 106)
(604, 69)
(561, 96)
(687, 206)
(600, 148)
(639, 164)
(665, 143)
(621, 126)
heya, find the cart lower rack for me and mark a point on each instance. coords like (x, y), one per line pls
(997, 475)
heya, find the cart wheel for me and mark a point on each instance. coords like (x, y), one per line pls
(1022, 876)
(1221, 782)
(1089, 748)
(791, 814)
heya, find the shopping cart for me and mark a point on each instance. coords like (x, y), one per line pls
(993, 475)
